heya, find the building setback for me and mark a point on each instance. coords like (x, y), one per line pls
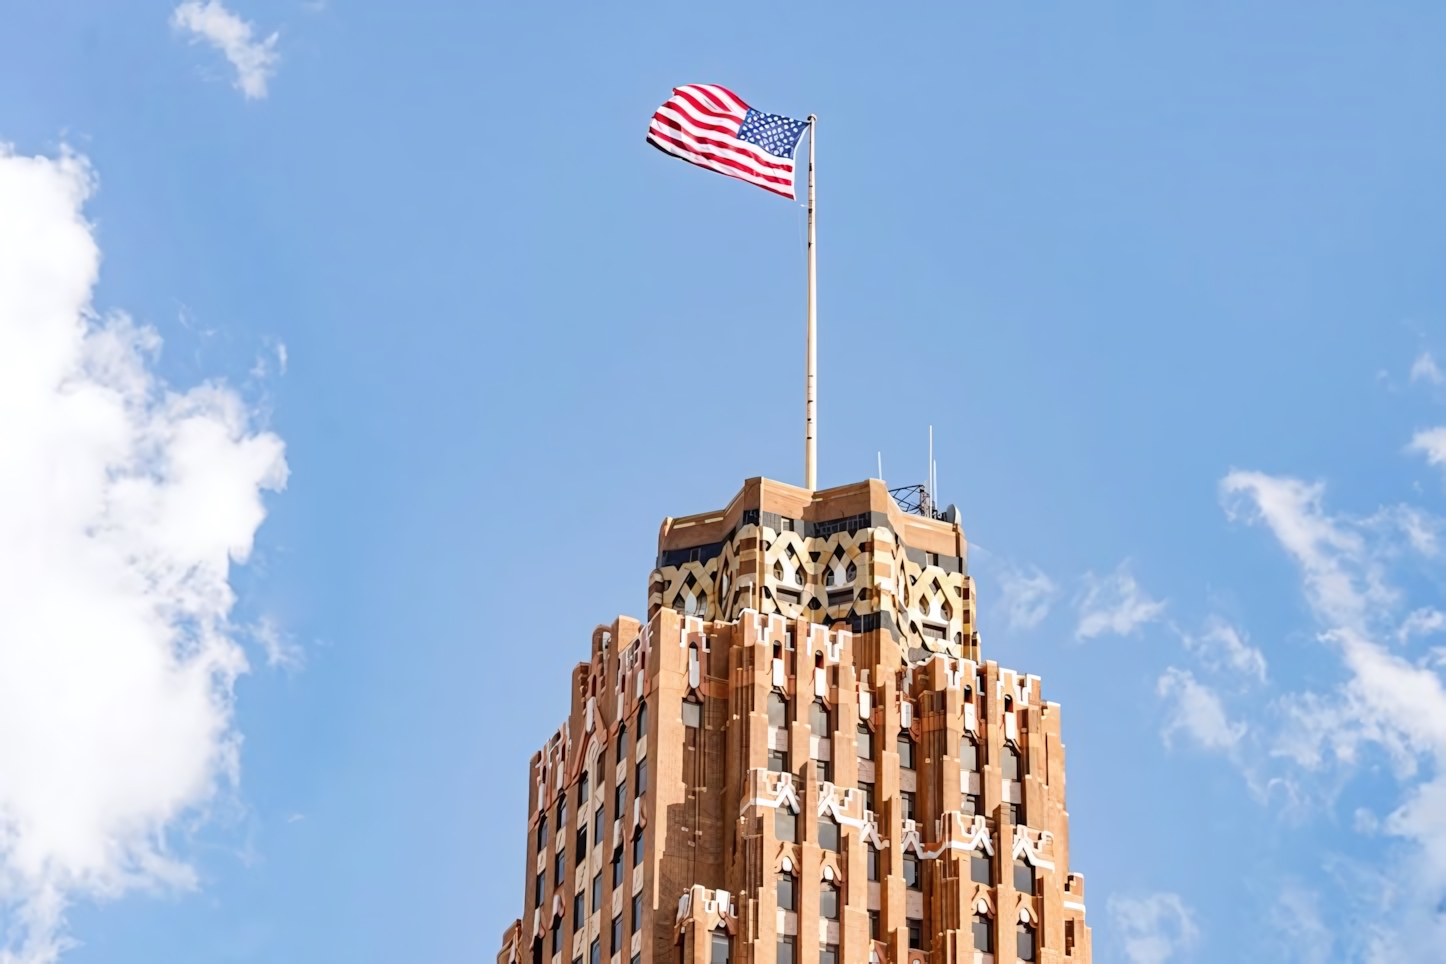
(801, 758)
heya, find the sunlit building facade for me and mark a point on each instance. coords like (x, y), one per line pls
(801, 757)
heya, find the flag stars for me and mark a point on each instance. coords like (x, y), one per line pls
(776, 134)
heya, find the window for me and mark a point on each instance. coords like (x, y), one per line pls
(559, 868)
(692, 714)
(597, 827)
(1011, 763)
(1025, 942)
(561, 814)
(778, 761)
(873, 862)
(1024, 877)
(852, 572)
(867, 789)
(828, 576)
(618, 867)
(873, 925)
(907, 798)
(1016, 815)
(594, 951)
(786, 896)
(785, 824)
(798, 576)
(581, 844)
(970, 806)
(637, 916)
(615, 939)
(638, 847)
(578, 901)
(866, 743)
(539, 888)
(778, 571)
(596, 892)
(818, 719)
(906, 751)
(828, 954)
(718, 953)
(785, 951)
(828, 900)
(584, 790)
(968, 755)
(777, 709)
(916, 933)
(983, 934)
(556, 934)
(823, 771)
(828, 833)
(981, 869)
(640, 777)
(642, 720)
(620, 797)
(911, 872)
(622, 743)
(1069, 937)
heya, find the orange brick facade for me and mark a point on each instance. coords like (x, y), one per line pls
(801, 759)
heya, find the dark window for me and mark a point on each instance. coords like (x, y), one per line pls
(828, 833)
(970, 805)
(637, 917)
(873, 862)
(584, 790)
(597, 827)
(581, 844)
(1016, 814)
(578, 899)
(873, 925)
(785, 824)
(823, 771)
(916, 933)
(1069, 937)
(1025, 941)
(594, 951)
(559, 867)
(642, 720)
(906, 751)
(618, 866)
(867, 789)
(983, 934)
(1024, 877)
(720, 948)
(777, 709)
(778, 761)
(968, 754)
(539, 888)
(622, 743)
(640, 778)
(828, 954)
(818, 719)
(692, 713)
(907, 798)
(556, 935)
(911, 872)
(828, 900)
(561, 814)
(596, 892)
(866, 743)
(615, 941)
(785, 951)
(786, 895)
(981, 869)
(1011, 763)
(541, 832)
(638, 847)
(620, 797)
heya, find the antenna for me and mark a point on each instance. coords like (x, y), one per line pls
(929, 485)
(881, 466)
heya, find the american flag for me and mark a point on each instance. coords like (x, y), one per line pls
(710, 126)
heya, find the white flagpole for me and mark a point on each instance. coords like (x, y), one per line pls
(810, 389)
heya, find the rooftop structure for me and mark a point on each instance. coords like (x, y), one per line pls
(801, 757)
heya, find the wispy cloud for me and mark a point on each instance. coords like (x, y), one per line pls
(255, 60)
(1153, 929)
(1431, 443)
(1025, 596)
(1223, 647)
(1196, 710)
(1115, 604)
(123, 506)
(1424, 369)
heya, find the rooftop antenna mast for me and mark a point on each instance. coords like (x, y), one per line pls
(810, 381)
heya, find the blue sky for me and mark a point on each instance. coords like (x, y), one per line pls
(1164, 279)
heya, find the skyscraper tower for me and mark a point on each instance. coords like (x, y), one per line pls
(801, 758)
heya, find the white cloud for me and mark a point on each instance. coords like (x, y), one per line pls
(1430, 442)
(1426, 621)
(1153, 929)
(1297, 918)
(255, 61)
(1025, 596)
(123, 505)
(1424, 369)
(1115, 604)
(280, 649)
(1197, 711)
(1222, 646)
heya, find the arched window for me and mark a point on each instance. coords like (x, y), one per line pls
(828, 900)
(1025, 939)
(946, 610)
(968, 755)
(828, 834)
(798, 575)
(719, 952)
(622, 743)
(983, 929)
(777, 709)
(584, 789)
(851, 573)
(1024, 876)
(642, 720)
(828, 578)
(541, 832)
(1010, 763)
(818, 719)
(911, 872)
